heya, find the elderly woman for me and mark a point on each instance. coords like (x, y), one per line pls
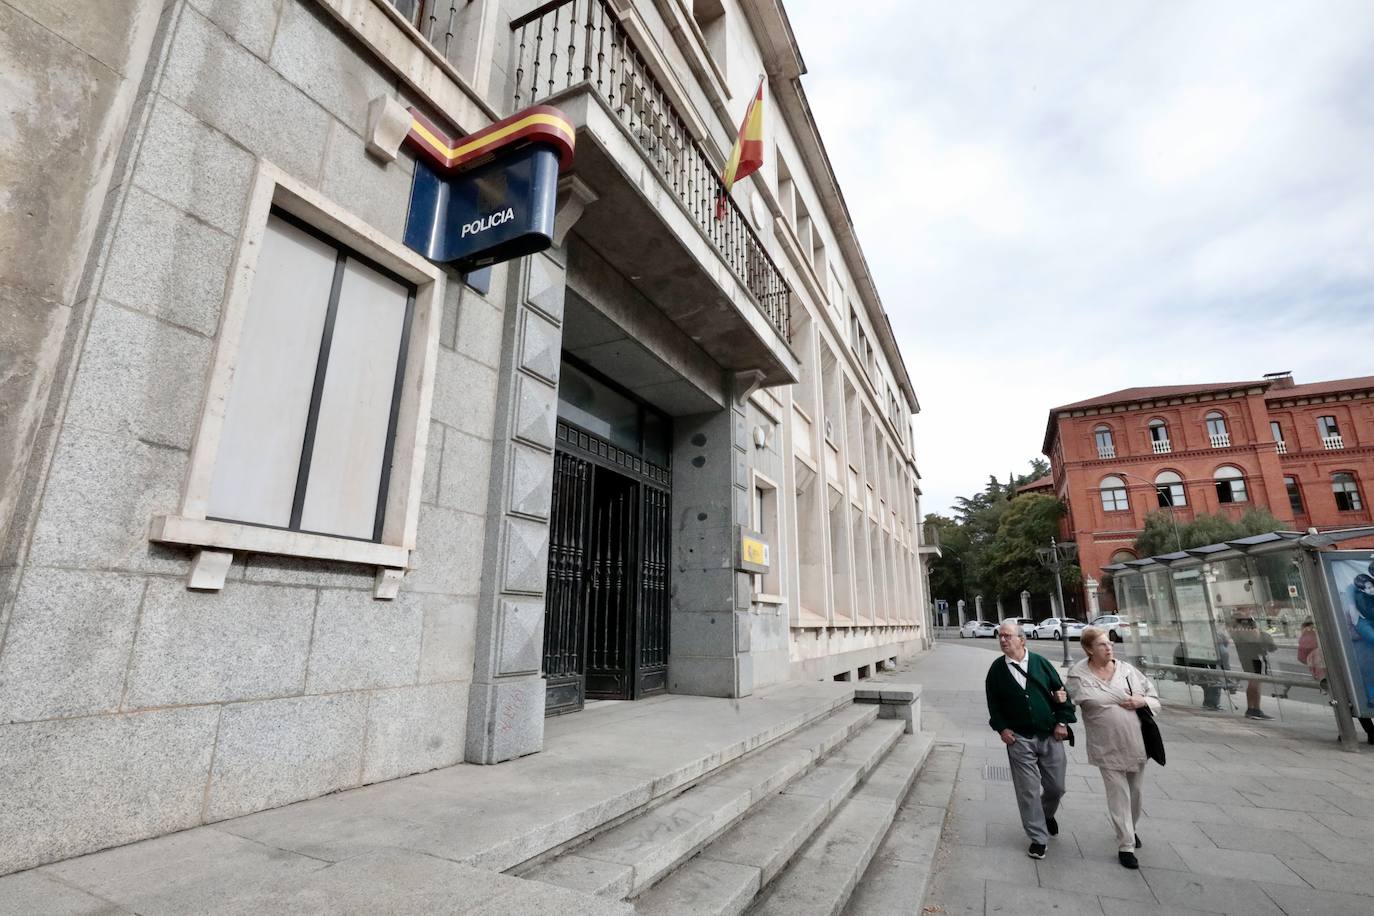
(1108, 691)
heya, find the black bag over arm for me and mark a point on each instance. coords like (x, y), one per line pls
(1149, 730)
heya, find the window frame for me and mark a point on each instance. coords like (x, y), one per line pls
(1293, 487)
(1161, 489)
(1235, 486)
(1119, 494)
(273, 189)
(1109, 449)
(765, 516)
(1219, 418)
(1353, 497)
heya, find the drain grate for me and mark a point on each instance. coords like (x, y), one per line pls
(994, 773)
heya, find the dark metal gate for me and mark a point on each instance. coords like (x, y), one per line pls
(606, 619)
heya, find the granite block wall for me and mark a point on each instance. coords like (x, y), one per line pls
(131, 706)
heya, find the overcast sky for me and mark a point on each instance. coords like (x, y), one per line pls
(1061, 199)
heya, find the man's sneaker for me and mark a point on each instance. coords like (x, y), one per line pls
(1128, 859)
(1052, 826)
(1257, 714)
(1036, 851)
(1137, 841)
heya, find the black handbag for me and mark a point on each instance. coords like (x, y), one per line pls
(1149, 730)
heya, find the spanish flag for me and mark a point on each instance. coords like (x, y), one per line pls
(747, 155)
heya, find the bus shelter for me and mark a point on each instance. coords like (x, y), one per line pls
(1282, 622)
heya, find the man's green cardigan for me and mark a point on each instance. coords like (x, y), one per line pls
(1031, 713)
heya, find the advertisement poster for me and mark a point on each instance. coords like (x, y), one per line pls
(1351, 575)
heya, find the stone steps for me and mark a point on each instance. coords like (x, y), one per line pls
(861, 782)
(821, 878)
(625, 860)
(899, 875)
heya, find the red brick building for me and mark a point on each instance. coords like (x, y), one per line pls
(1303, 452)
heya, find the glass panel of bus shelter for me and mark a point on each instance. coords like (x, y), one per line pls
(1131, 604)
(1237, 603)
(1284, 614)
(1156, 619)
(1192, 634)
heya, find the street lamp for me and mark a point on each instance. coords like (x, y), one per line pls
(1053, 557)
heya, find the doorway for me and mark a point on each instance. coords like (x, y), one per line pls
(607, 595)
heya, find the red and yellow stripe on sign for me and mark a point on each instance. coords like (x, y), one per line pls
(540, 124)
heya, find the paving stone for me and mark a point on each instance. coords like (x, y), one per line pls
(1103, 878)
(1209, 893)
(1326, 875)
(1230, 863)
(194, 871)
(1258, 839)
(1012, 898)
(1309, 902)
(31, 893)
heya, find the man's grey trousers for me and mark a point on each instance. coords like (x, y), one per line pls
(1038, 766)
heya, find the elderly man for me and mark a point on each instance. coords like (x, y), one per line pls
(1028, 708)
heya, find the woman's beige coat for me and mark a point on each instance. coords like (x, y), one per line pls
(1112, 732)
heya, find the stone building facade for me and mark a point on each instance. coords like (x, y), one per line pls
(209, 607)
(1304, 453)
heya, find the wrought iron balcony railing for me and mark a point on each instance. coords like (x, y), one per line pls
(435, 20)
(565, 43)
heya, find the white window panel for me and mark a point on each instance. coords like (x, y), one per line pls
(259, 452)
(355, 405)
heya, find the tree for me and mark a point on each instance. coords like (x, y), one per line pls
(1158, 535)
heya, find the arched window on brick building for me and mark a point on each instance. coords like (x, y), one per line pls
(1231, 485)
(1347, 492)
(1114, 494)
(1169, 488)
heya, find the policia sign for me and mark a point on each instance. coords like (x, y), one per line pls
(490, 196)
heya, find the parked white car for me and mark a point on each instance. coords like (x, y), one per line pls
(1118, 627)
(976, 628)
(1058, 628)
(1027, 625)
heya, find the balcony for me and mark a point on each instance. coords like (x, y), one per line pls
(657, 188)
(1333, 443)
(1161, 446)
(1106, 451)
(1281, 447)
(1221, 440)
(930, 540)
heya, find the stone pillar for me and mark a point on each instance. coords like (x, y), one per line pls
(961, 612)
(977, 607)
(506, 702)
(1055, 609)
(1093, 608)
(1025, 604)
(1001, 614)
(711, 631)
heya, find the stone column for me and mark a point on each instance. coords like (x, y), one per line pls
(961, 612)
(506, 702)
(977, 607)
(1025, 604)
(1001, 614)
(1055, 609)
(1093, 607)
(711, 629)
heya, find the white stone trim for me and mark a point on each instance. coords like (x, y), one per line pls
(274, 187)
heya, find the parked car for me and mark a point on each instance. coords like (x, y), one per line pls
(976, 628)
(1058, 628)
(1027, 625)
(1117, 626)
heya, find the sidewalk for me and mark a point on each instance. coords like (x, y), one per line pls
(1247, 818)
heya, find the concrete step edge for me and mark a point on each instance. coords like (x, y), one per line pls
(823, 874)
(719, 883)
(905, 860)
(581, 865)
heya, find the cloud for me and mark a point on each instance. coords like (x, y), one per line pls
(1060, 200)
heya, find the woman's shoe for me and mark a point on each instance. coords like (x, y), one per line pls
(1128, 859)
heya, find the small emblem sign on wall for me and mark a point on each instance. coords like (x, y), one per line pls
(753, 552)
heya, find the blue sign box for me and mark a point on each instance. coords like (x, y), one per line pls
(500, 210)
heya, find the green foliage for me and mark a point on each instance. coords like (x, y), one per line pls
(989, 546)
(1158, 537)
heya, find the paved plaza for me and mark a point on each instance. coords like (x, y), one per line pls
(1247, 818)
